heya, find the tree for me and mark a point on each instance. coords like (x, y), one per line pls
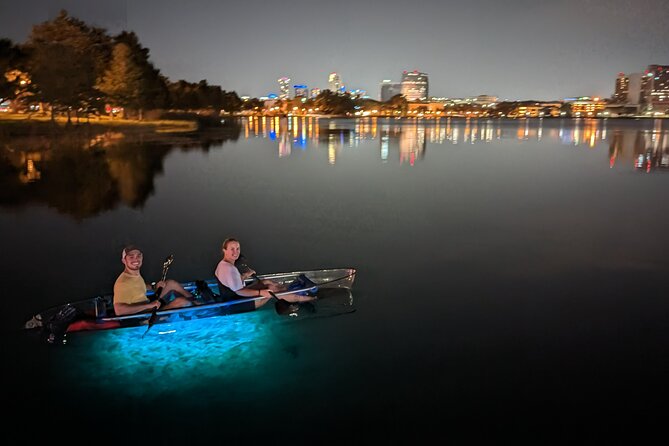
(398, 103)
(566, 109)
(10, 56)
(231, 102)
(503, 109)
(66, 57)
(334, 104)
(253, 104)
(189, 96)
(154, 93)
(59, 74)
(122, 82)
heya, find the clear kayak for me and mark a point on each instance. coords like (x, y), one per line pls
(330, 287)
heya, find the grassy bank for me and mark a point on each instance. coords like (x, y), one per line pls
(24, 124)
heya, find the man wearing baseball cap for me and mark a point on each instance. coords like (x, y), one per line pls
(130, 288)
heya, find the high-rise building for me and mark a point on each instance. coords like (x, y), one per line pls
(284, 88)
(630, 89)
(414, 86)
(301, 91)
(315, 92)
(636, 83)
(656, 88)
(334, 83)
(389, 89)
(622, 87)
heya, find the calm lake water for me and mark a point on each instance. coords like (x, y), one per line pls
(511, 281)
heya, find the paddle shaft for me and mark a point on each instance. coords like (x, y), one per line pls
(166, 266)
(154, 311)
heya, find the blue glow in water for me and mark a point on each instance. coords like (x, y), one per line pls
(171, 357)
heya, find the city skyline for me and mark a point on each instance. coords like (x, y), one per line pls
(521, 50)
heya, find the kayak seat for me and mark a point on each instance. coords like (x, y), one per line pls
(302, 282)
(100, 307)
(204, 293)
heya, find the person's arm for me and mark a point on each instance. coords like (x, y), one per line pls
(250, 292)
(247, 273)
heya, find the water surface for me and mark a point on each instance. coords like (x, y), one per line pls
(510, 279)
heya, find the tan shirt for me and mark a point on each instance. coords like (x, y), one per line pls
(129, 289)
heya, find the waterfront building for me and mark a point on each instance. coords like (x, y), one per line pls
(635, 87)
(586, 106)
(425, 108)
(532, 109)
(485, 100)
(389, 89)
(621, 89)
(301, 91)
(414, 85)
(284, 88)
(656, 89)
(630, 88)
(315, 92)
(629, 94)
(335, 84)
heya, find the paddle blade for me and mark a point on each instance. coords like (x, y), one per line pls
(283, 307)
(166, 265)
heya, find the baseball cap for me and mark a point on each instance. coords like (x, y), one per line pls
(128, 249)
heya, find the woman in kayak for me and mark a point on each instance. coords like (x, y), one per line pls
(232, 286)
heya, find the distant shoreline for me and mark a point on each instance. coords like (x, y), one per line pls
(23, 124)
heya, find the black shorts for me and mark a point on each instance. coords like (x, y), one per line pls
(227, 295)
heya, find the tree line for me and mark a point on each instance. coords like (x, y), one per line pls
(67, 66)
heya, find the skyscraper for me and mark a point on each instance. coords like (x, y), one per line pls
(284, 88)
(630, 89)
(635, 85)
(334, 83)
(622, 87)
(389, 89)
(656, 88)
(414, 86)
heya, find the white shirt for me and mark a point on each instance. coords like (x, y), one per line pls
(229, 275)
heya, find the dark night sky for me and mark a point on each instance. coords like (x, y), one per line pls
(514, 49)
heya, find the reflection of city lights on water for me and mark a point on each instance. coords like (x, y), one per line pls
(409, 136)
(332, 150)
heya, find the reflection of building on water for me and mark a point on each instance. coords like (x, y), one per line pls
(30, 173)
(411, 136)
(412, 144)
(302, 130)
(583, 131)
(409, 141)
(645, 149)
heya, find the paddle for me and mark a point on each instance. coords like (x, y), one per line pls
(154, 313)
(281, 306)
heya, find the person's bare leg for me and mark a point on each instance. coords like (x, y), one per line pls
(296, 298)
(173, 285)
(178, 302)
